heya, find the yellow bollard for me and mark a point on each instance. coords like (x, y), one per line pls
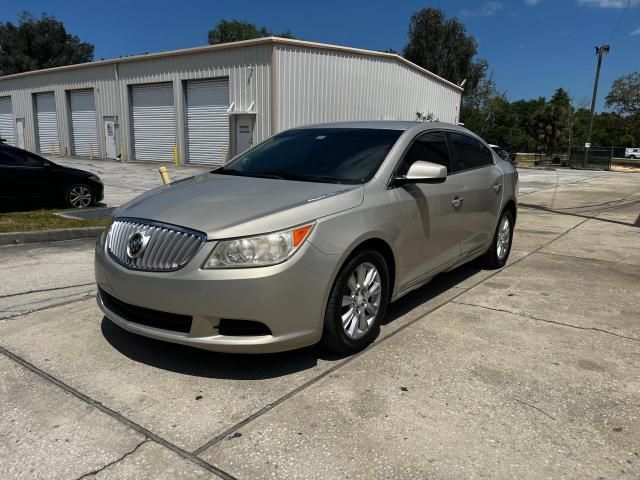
(164, 175)
(175, 155)
(122, 152)
(224, 154)
(91, 151)
(51, 148)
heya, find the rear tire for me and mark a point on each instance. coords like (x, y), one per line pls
(498, 253)
(79, 196)
(357, 303)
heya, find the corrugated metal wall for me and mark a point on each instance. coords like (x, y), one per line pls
(313, 85)
(318, 85)
(247, 68)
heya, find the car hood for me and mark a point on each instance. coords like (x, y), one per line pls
(224, 206)
(70, 170)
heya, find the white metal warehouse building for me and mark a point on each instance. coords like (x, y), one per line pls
(203, 105)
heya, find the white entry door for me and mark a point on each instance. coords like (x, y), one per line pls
(110, 138)
(244, 133)
(20, 133)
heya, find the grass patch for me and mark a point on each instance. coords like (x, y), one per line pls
(44, 220)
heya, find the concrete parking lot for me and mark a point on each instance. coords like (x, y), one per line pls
(532, 371)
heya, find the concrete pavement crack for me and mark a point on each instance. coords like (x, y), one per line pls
(58, 304)
(98, 470)
(41, 290)
(149, 435)
(534, 407)
(554, 322)
(35, 303)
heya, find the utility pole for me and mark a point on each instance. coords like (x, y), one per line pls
(600, 51)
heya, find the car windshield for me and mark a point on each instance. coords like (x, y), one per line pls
(327, 155)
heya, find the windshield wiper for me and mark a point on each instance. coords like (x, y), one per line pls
(247, 174)
(302, 177)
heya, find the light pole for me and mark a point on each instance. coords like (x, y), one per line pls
(600, 51)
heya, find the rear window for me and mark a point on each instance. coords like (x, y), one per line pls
(469, 153)
(333, 155)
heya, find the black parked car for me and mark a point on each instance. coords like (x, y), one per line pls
(28, 178)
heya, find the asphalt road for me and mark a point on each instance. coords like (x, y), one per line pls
(527, 372)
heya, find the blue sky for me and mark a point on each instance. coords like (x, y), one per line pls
(533, 46)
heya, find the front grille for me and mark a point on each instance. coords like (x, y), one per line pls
(165, 247)
(146, 316)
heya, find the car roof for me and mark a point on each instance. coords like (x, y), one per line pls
(385, 125)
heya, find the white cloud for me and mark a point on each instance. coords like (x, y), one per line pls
(487, 9)
(608, 3)
(636, 32)
(532, 2)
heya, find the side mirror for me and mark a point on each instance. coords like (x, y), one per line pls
(424, 172)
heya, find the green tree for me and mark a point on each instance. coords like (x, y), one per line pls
(624, 96)
(39, 43)
(236, 30)
(442, 46)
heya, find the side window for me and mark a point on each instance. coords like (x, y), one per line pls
(6, 160)
(428, 147)
(468, 152)
(20, 158)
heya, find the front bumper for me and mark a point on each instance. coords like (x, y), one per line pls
(288, 298)
(98, 190)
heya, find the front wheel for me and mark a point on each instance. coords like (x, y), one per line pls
(357, 303)
(498, 254)
(79, 196)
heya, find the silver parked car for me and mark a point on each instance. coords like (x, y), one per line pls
(306, 237)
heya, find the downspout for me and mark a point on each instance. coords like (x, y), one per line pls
(120, 146)
(273, 88)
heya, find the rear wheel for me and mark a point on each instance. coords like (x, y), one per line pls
(79, 196)
(498, 254)
(357, 303)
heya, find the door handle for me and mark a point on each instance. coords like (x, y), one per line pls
(457, 201)
(496, 188)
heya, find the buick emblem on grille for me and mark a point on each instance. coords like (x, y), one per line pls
(137, 244)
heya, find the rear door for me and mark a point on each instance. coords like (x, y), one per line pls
(481, 195)
(432, 229)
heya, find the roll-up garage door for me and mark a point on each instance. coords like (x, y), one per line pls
(6, 120)
(207, 122)
(154, 129)
(83, 122)
(47, 123)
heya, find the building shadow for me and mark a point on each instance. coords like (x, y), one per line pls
(201, 363)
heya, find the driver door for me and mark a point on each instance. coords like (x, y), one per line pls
(432, 230)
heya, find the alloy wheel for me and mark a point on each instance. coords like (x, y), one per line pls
(80, 196)
(504, 238)
(361, 300)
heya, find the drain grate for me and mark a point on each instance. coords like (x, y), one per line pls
(87, 213)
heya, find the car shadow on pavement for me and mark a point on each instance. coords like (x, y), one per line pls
(201, 363)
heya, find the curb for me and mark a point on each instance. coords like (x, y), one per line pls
(44, 236)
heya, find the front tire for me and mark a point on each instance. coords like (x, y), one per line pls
(79, 196)
(357, 303)
(498, 254)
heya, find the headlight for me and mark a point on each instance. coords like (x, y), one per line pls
(258, 251)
